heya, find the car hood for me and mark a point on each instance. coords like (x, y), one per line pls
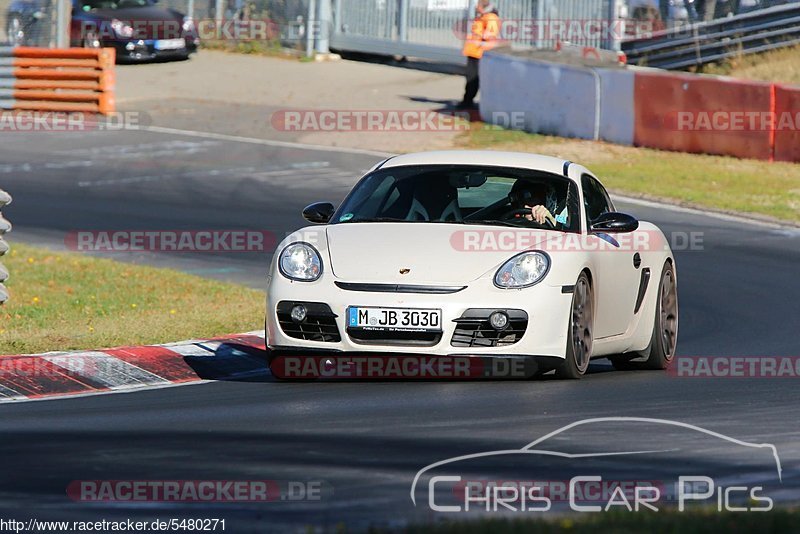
(434, 254)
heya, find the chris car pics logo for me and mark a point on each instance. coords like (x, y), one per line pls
(445, 486)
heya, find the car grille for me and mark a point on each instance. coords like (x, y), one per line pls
(320, 323)
(399, 288)
(473, 329)
(372, 337)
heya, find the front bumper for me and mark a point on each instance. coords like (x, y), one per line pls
(547, 307)
(135, 50)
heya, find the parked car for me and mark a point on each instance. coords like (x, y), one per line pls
(139, 30)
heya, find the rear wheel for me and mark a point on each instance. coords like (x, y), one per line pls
(580, 340)
(665, 329)
(661, 350)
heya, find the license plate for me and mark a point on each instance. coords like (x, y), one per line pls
(170, 44)
(394, 319)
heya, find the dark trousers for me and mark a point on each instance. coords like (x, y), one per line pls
(473, 80)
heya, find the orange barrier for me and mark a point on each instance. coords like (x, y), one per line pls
(72, 79)
(106, 79)
(55, 63)
(79, 85)
(787, 130)
(104, 56)
(702, 114)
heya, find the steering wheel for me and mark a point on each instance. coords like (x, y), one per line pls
(513, 213)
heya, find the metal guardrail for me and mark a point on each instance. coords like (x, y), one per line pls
(699, 44)
(5, 227)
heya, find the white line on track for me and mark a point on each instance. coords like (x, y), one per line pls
(266, 142)
(712, 214)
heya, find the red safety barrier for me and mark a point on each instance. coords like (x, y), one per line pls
(787, 115)
(702, 114)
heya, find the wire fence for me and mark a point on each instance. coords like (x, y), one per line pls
(288, 18)
(424, 28)
(29, 22)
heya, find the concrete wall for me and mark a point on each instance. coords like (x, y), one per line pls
(642, 107)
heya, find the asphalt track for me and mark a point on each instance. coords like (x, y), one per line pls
(364, 441)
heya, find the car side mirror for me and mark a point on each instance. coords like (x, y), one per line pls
(319, 212)
(615, 222)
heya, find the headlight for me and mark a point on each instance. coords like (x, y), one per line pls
(122, 29)
(188, 25)
(523, 270)
(301, 262)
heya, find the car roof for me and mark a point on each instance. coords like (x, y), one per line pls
(520, 160)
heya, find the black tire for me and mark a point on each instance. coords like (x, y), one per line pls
(580, 332)
(665, 327)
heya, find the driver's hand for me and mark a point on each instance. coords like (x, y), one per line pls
(540, 214)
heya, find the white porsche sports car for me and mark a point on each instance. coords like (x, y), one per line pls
(477, 253)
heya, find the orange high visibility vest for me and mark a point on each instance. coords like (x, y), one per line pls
(483, 35)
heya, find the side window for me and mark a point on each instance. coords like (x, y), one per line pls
(595, 199)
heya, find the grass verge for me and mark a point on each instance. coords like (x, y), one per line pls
(710, 522)
(721, 183)
(270, 48)
(781, 66)
(62, 301)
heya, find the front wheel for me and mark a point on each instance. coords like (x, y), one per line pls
(580, 340)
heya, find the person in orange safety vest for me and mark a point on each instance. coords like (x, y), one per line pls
(483, 36)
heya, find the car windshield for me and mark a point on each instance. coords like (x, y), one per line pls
(459, 194)
(91, 5)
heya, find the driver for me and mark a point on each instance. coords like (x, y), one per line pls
(533, 196)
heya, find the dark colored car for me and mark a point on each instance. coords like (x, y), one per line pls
(138, 29)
